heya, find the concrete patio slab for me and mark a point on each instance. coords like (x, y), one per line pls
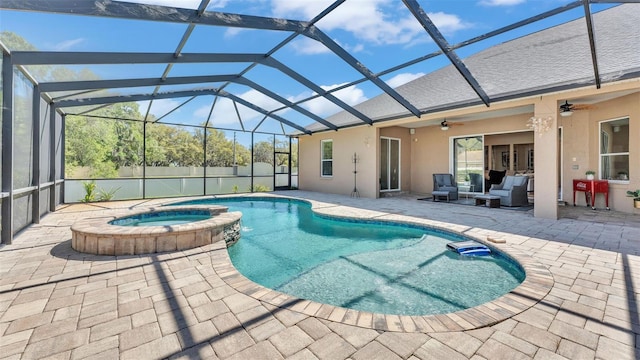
(56, 302)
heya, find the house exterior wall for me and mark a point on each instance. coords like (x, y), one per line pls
(581, 133)
(360, 140)
(428, 150)
(431, 153)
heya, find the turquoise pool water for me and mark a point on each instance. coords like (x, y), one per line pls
(162, 218)
(368, 266)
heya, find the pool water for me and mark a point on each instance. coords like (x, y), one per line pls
(392, 269)
(162, 218)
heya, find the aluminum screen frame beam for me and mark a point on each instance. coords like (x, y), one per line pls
(104, 84)
(183, 41)
(105, 8)
(76, 58)
(315, 33)
(134, 11)
(125, 83)
(442, 43)
(284, 101)
(170, 95)
(263, 111)
(319, 90)
(116, 58)
(6, 208)
(592, 41)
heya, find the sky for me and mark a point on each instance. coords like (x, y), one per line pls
(380, 34)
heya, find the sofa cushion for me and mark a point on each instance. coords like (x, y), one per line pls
(501, 193)
(508, 182)
(444, 180)
(520, 180)
(447, 188)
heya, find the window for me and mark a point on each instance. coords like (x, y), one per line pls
(614, 149)
(326, 156)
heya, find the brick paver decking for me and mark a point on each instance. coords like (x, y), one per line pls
(58, 303)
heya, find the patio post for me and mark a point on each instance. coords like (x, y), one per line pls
(546, 160)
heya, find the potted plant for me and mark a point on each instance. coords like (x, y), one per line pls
(636, 198)
(590, 174)
(623, 175)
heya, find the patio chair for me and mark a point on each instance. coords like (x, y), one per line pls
(443, 184)
(512, 191)
(476, 181)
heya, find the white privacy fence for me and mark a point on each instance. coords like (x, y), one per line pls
(179, 181)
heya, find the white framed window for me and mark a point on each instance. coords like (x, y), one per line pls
(326, 158)
(614, 149)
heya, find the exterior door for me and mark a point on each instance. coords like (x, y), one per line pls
(468, 163)
(389, 164)
(282, 174)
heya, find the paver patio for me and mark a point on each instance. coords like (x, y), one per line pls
(58, 303)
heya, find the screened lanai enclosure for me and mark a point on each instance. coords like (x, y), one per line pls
(111, 100)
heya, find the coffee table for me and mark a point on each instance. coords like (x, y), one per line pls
(491, 201)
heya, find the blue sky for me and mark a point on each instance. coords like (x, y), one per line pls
(378, 33)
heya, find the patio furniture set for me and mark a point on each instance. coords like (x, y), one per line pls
(505, 191)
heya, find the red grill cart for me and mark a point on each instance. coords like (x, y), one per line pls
(590, 189)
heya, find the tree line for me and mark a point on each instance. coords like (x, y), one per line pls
(105, 145)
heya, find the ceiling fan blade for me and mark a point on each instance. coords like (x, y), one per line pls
(583, 107)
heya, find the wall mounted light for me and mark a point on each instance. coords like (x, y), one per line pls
(443, 125)
(540, 125)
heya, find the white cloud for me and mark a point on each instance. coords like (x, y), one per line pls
(351, 95)
(367, 20)
(501, 2)
(353, 48)
(447, 23)
(159, 107)
(403, 79)
(203, 111)
(299, 9)
(307, 46)
(67, 44)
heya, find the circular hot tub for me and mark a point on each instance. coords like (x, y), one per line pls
(164, 218)
(158, 230)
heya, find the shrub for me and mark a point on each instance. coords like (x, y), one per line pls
(89, 191)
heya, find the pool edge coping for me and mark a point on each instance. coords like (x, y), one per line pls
(537, 284)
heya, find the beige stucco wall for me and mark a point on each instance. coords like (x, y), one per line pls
(360, 140)
(430, 153)
(581, 142)
(428, 150)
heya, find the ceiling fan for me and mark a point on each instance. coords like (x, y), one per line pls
(567, 109)
(444, 125)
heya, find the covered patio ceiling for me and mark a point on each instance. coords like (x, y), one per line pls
(194, 71)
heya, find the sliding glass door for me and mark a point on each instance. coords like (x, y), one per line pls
(389, 164)
(468, 163)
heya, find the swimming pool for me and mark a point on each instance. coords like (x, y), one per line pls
(367, 266)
